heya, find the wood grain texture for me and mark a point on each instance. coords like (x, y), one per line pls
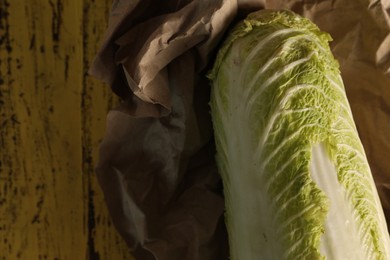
(97, 100)
(52, 118)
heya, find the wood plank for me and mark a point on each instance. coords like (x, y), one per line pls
(52, 119)
(105, 243)
(43, 211)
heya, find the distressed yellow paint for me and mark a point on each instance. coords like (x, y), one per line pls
(52, 118)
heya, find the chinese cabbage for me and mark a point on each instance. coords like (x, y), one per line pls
(297, 183)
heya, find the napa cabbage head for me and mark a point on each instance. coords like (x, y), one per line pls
(296, 179)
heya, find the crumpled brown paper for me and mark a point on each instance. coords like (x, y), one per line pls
(156, 167)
